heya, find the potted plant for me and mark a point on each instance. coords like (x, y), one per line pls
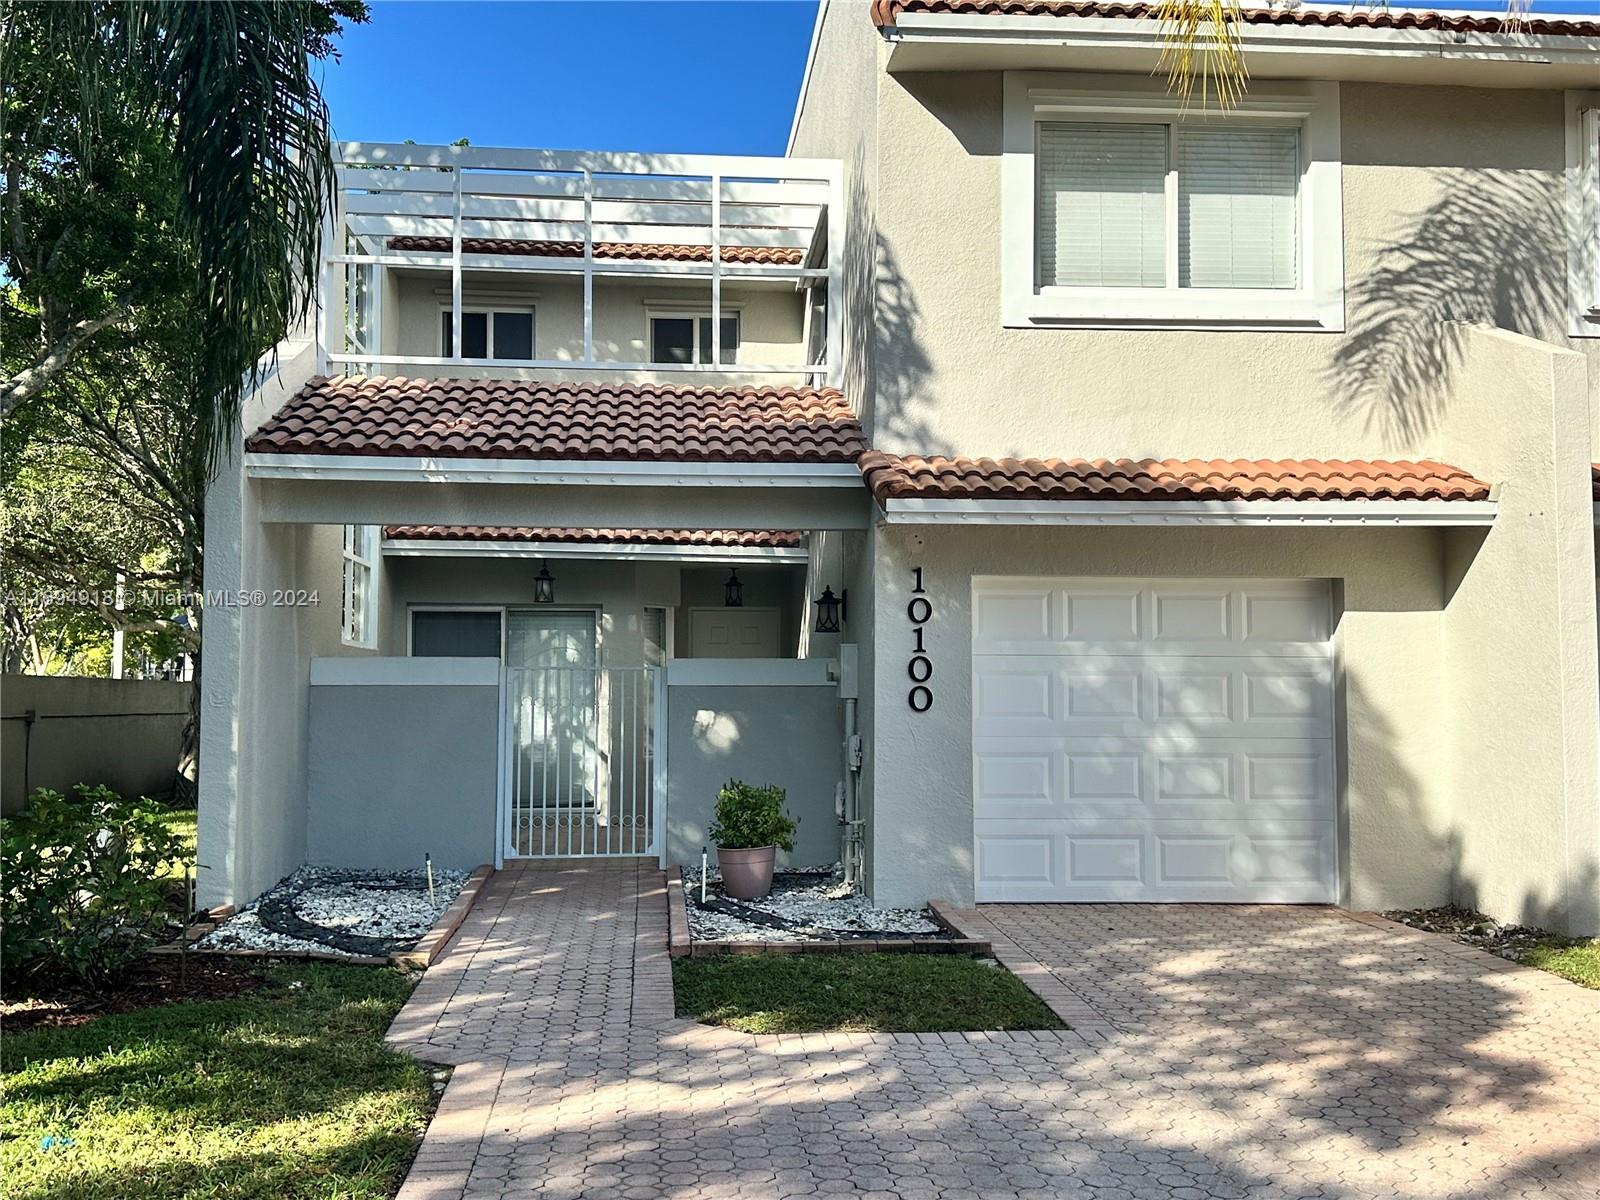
(749, 829)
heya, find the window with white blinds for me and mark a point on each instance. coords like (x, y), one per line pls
(1238, 202)
(1106, 215)
(1102, 205)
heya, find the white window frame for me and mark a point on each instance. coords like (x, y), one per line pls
(1583, 211)
(359, 559)
(1316, 303)
(655, 313)
(490, 309)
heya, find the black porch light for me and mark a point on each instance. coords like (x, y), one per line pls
(830, 609)
(733, 590)
(544, 585)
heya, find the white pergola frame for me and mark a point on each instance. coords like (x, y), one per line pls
(389, 189)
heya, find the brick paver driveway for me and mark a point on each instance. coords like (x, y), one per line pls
(1217, 1051)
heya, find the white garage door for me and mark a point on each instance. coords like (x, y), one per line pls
(1153, 740)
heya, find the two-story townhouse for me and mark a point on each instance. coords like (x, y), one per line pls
(1066, 494)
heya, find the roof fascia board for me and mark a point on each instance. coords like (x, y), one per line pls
(1189, 512)
(385, 469)
(612, 552)
(1103, 32)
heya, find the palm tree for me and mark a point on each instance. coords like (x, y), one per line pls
(230, 84)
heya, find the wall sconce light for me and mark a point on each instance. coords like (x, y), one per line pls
(544, 585)
(830, 610)
(733, 590)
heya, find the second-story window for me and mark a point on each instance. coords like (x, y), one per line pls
(1106, 218)
(1120, 208)
(504, 334)
(686, 338)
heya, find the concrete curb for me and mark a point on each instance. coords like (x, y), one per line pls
(973, 946)
(679, 942)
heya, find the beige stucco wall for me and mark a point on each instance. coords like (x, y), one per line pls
(1521, 681)
(838, 119)
(1453, 202)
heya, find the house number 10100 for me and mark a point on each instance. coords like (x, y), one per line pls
(920, 667)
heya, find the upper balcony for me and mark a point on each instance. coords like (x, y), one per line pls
(469, 261)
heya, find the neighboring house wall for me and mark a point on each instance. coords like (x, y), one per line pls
(402, 762)
(1453, 207)
(124, 733)
(771, 320)
(783, 729)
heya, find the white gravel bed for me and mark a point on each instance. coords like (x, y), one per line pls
(818, 901)
(343, 901)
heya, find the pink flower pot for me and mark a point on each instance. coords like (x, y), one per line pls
(747, 874)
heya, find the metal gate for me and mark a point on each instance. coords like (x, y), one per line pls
(581, 765)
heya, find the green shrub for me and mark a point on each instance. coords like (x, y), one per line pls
(82, 890)
(750, 816)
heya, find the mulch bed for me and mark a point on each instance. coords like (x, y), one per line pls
(153, 981)
(1508, 941)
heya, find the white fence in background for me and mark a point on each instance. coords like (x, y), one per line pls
(467, 194)
(583, 769)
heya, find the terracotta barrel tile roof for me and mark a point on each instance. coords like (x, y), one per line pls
(893, 477)
(525, 419)
(884, 13)
(720, 538)
(757, 255)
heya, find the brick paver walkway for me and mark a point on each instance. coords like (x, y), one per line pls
(1217, 1052)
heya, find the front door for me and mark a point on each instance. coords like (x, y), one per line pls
(733, 632)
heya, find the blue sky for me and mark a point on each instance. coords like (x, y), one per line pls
(687, 76)
(716, 77)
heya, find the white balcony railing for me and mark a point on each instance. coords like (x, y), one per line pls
(458, 198)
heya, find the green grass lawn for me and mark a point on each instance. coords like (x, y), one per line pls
(1578, 961)
(180, 821)
(277, 1094)
(803, 993)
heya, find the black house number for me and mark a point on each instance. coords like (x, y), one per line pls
(920, 667)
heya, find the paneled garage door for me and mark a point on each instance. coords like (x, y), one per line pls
(1153, 740)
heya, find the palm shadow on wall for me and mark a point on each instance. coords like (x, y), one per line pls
(888, 365)
(1492, 253)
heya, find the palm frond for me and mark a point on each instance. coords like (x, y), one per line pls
(1202, 50)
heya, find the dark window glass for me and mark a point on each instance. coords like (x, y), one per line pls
(455, 635)
(672, 340)
(513, 335)
(730, 339)
(474, 334)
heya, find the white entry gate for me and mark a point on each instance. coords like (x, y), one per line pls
(582, 763)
